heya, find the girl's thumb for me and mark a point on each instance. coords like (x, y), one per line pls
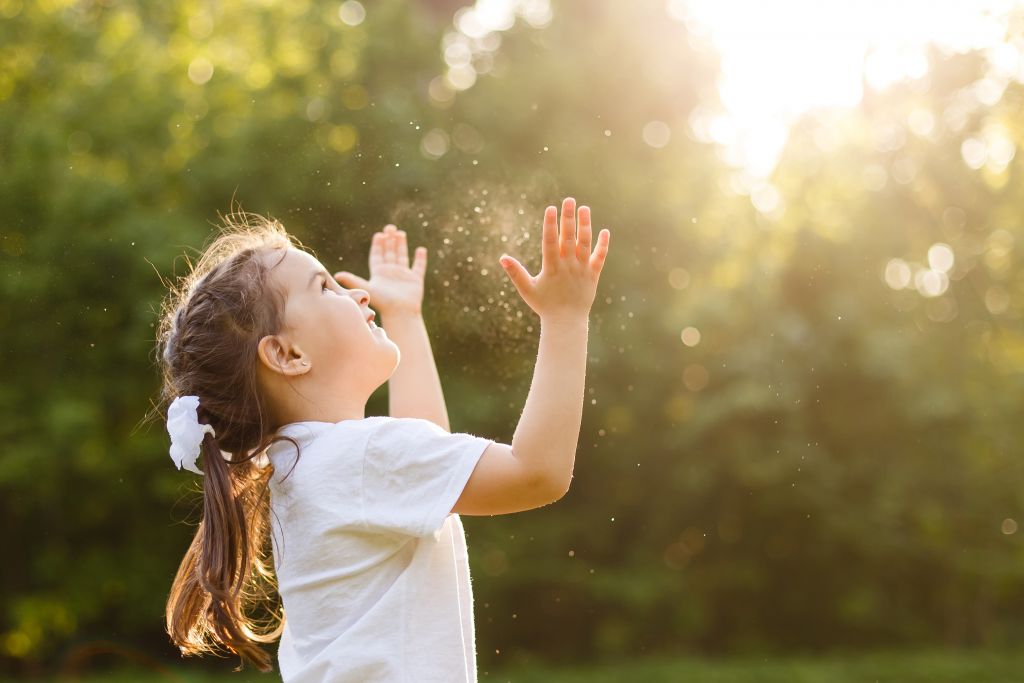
(513, 268)
(348, 279)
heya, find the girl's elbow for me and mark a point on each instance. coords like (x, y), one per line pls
(556, 487)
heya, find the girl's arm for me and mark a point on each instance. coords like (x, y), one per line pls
(396, 292)
(536, 468)
(414, 389)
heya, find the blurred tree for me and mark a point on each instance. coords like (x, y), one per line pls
(801, 419)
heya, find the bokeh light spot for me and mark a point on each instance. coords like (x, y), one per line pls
(690, 336)
(897, 274)
(657, 134)
(940, 257)
(352, 12)
(200, 70)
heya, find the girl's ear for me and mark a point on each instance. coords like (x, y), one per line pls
(277, 355)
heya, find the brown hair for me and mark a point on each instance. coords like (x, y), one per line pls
(210, 325)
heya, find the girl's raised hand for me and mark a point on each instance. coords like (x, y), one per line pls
(567, 282)
(393, 286)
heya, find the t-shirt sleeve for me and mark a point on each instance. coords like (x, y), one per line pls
(413, 473)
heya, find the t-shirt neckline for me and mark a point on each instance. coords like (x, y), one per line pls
(288, 428)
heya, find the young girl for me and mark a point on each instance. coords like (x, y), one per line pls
(269, 361)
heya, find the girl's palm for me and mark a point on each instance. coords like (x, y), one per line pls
(393, 285)
(567, 282)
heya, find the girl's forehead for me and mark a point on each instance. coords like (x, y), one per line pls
(303, 259)
(295, 268)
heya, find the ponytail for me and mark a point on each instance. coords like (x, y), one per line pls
(224, 596)
(227, 569)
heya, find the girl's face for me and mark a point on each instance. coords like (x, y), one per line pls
(330, 327)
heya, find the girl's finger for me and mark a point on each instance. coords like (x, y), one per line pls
(520, 277)
(567, 233)
(402, 249)
(390, 246)
(419, 264)
(601, 252)
(549, 240)
(583, 247)
(377, 250)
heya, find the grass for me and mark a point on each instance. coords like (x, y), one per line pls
(895, 667)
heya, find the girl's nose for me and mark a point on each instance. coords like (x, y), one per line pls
(361, 296)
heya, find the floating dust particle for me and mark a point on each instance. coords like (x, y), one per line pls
(468, 232)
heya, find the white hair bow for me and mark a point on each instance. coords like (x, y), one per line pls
(186, 432)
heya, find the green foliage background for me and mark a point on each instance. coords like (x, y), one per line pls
(830, 467)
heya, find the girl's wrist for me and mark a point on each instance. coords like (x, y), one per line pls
(580, 319)
(408, 311)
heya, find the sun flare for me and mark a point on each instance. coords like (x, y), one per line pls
(782, 59)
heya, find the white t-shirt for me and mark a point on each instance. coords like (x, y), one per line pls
(371, 564)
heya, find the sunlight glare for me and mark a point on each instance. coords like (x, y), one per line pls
(782, 59)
